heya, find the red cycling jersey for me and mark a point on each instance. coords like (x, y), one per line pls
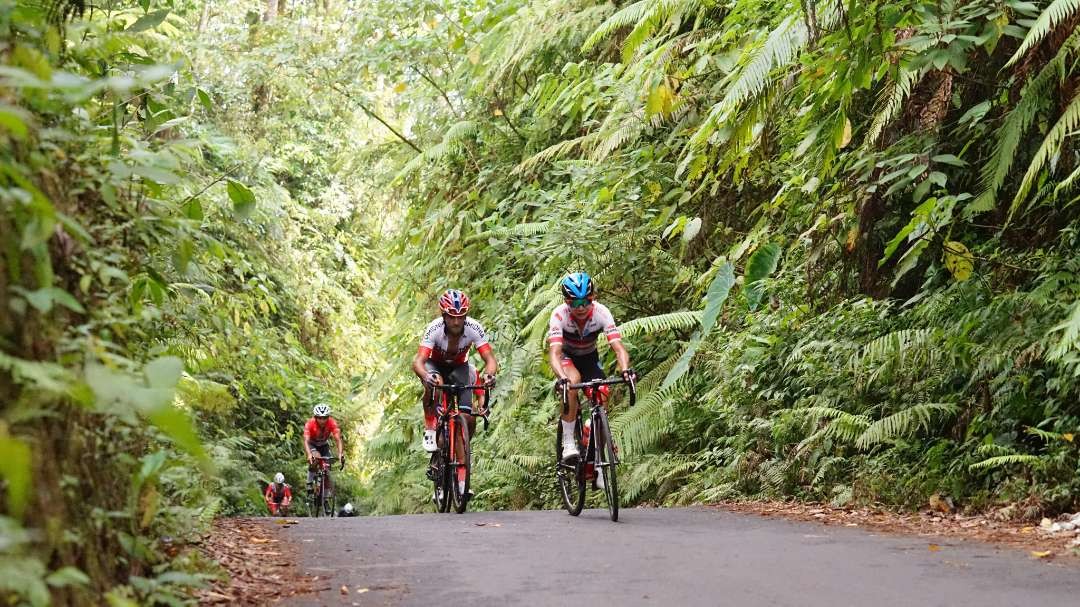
(314, 434)
(278, 493)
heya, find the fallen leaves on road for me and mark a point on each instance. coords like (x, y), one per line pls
(254, 575)
(1020, 535)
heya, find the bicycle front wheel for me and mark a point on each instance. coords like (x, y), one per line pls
(328, 496)
(315, 505)
(605, 460)
(439, 474)
(462, 465)
(569, 476)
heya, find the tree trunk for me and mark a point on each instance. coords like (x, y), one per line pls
(271, 10)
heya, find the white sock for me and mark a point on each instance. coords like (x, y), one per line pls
(567, 431)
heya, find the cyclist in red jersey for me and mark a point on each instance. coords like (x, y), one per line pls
(317, 433)
(278, 495)
(444, 353)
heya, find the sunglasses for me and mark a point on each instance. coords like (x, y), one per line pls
(578, 303)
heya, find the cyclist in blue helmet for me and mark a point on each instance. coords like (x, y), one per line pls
(572, 333)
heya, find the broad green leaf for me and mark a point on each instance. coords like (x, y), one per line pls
(204, 99)
(15, 470)
(65, 299)
(762, 263)
(691, 230)
(958, 260)
(717, 295)
(176, 424)
(43, 299)
(659, 101)
(682, 365)
(14, 121)
(67, 576)
(844, 137)
(242, 198)
(149, 21)
(164, 372)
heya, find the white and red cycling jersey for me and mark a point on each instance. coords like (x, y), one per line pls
(435, 343)
(578, 338)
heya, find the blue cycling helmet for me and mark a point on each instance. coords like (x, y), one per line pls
(577, 286)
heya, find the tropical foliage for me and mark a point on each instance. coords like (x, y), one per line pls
(841, 239)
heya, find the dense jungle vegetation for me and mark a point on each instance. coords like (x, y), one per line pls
(841, 239)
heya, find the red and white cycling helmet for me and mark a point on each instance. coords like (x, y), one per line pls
(454, 303)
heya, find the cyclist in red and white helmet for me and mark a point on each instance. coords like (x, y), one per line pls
(444, 353)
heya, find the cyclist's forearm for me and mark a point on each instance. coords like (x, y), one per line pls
(555, 360)
(622, 357)
(491, 366)
(418, 366)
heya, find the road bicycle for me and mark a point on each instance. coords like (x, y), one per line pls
(322, 497)
(600, 454)
(450, 468)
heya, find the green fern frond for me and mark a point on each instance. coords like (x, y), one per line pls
(779, 49)
(520, 230)
(904, 423)
(551, 153)
(892, 99)
(1035, 95)
(1058, 12)
(1005, 460)
(209, 512)
(641, 427)
(671, 321)
(625, 17)
(1051, 146)
(825, 466)
(845, 426)
(773, 474)
(655, 470)
(656, 375)
(629, 130)
(1070, 335)
(1044, 434)
(534, 330)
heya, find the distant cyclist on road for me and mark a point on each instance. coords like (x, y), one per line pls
(278, 495)
(572, 333)
(444, 356)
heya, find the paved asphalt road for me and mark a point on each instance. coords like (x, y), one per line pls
(664, 557)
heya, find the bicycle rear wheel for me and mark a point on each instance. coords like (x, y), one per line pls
(605, 457)
(464, 454)
(570, 476)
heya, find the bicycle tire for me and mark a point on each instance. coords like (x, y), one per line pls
(570, 478)
(605, 456)
(316, 498)
(442, 477)
(461, 497)
(328, 501)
